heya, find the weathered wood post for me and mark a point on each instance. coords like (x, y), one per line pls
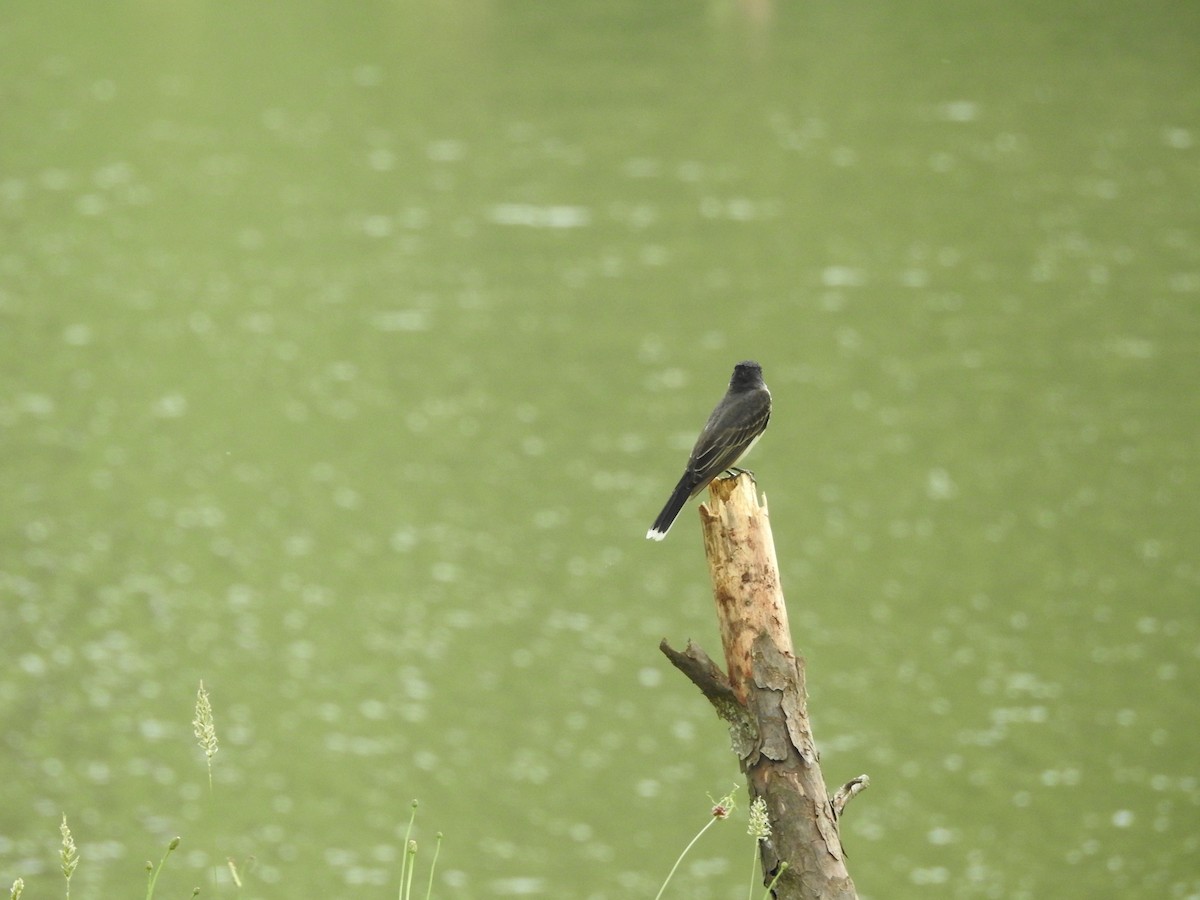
(762, 697)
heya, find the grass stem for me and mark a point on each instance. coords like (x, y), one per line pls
(720, 810)
(437, 848)
(154, 872)
(407, 860)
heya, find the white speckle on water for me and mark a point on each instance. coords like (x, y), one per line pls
(941, 836)
(170, 406)
(40, 405)
(843, 276)
(381, 159)
(401, 320)
(844, 157)
(377, 226)
(935, 875)
(511, 887)
(532, 216)
(1068, 777)
(939, 485)
(648, 788)
(446, 150)
(403, 539)
(445, 572)
(367, 75)
(1178, 138)
(1131, 347)
(958, 111)
(373, 709)
(649, 677)
(642, 168)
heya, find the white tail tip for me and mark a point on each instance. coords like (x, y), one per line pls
(653, 535)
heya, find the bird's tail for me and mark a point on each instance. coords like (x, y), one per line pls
(683, 491)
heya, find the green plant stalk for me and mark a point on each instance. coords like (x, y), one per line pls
(783, 867)
(404, 861)
(437, 848)
(154, 871)
(691, 843)
(411, 853)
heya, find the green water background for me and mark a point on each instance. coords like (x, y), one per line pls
(348, 350)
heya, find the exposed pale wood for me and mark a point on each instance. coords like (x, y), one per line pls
(762, 696)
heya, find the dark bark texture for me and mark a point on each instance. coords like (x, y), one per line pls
(762, 696)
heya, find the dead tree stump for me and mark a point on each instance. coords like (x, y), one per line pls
(763, 699)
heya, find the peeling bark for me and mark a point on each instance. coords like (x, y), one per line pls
(762, 697)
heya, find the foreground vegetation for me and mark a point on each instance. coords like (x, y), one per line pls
(204, 728)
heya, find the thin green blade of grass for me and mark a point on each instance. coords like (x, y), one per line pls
(720, 810)
(153, 872)
(406, 860)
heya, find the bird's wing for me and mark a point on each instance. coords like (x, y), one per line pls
(728, 434)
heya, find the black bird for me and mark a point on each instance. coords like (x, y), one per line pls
(737, 422)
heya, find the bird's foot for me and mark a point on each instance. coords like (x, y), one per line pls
(735, 471)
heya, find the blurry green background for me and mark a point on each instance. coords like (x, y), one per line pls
(347, 351)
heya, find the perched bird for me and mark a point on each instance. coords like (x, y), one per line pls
(737, 422)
